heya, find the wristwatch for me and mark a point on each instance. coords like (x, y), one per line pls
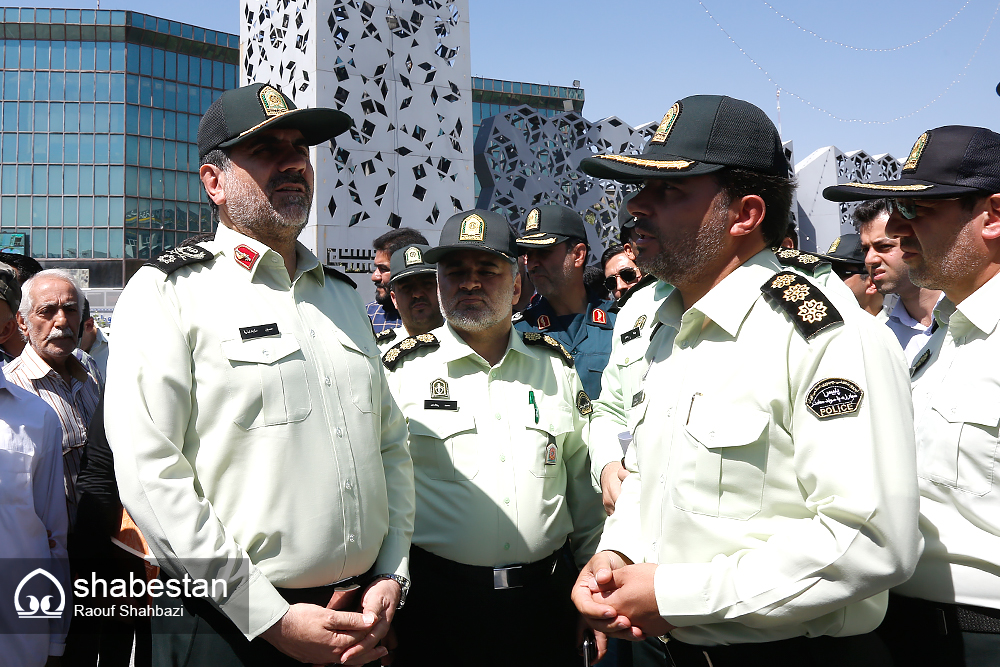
(404, 586)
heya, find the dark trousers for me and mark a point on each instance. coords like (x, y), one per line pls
(919, 632)
(857, 651)
(450, 620)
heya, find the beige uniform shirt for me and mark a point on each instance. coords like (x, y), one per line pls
(502, 472)
(956, 402)
(769, 522)
(253, 429)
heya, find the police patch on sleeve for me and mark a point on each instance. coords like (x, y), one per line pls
(833, 397)
(583, 403)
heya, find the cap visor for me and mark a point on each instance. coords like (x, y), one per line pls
(632, 168)
(904, 187)
(540, 240)
(317, 125)
(406, 273)
(434, 255)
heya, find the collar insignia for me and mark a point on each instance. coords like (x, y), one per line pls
(245, 256)
(272, 101)
(473, 229)
(599, 316)
(543, 322)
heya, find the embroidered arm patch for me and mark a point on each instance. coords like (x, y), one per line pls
(834, 397)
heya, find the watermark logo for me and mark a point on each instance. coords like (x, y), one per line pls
(38, 608)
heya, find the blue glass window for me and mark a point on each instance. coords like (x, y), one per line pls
(55, 180)
(193, 127)
(54, 218)
(116, 118)
(103, 57)
(41, 115)
(87, 86)
(56, 117)
(158, 63)
(38, 211)
(42, 55)
(24, 179)
(170, 125)
(24, 116)
(70, 218)
(24, 148)
(102, 87)
(180, 220)
(144, 183)
(9, 151)
(116, 180)
(10, 85)
(72, 55)
(55, 241)
(71, 148)
(26, 86)
(11, 48)
(55, 147)
(145, 120)
(117, 56)
(10, 116)
(86, 243)
(207, 97)
(157, 123)
(27, 54)
(39, 179)
(41, 86)
(157, 183)
(230, 81)
(132, 119)
(169, 185)
(102, 117)
(194, 72)
(116, 149)
(72, 122)
(8, 181)
(117, 87)
(218, 80)
(145, 91)
(71, 182)
(100, 243)
(146, 61)
(86, 117)
(131, 89)
(101, 149)
(156, 153)
(131, 180)
(37, 241)
(24, 213)
(8, 211)
(158, 93)
(101, 180)
(57, 84)
(170, 65)
(182, 68)
(182, 185)
(86, 212)
(86, 149)
(87, 50)
(72, 86)
(132, 58)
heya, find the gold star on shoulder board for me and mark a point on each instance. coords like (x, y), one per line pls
(782, 281)
(812, 311)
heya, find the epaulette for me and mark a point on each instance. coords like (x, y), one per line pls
(810, 310)
(405, 347)
(798, 259)
(334, 273)
(647, 279)
(385, 336)
(173, 259)
(535, 338)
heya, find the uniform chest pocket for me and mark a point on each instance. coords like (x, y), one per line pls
(267, 381)
(541, 448)
(717, 463)
(362, 372)
(443, 445)
(962, 453)
(15, 471)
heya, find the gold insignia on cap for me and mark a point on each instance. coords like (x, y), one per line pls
(659, 165)
(916, 152)
(891, 188)
(667, 124)
(812, 311)
(782, 281)
(272, 101)
(412, 256)
(834, 245)
(796, 293)
(439, 388)
(532, 223)
(473, 229)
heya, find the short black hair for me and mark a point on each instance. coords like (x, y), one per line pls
(776, 191)
(593, 281)
(572, 241)
(867, 211)
(217, 157)
(25, 266)
(615, 249)
(392, 241)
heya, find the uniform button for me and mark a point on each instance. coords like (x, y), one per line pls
(347, 485)
(662, 478)
(503, 458)
(498, 415)
(266, 354)
(493, 374)
(340, 432)
(350, 538)
(327, 381)
(506, 501)
(626, 360)
(312, 332)
(506, 546)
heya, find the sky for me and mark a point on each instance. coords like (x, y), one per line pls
(834, 62)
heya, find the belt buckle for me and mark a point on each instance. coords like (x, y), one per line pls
(501, 578)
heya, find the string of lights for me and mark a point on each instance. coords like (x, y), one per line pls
(859, 48)
(834, 116)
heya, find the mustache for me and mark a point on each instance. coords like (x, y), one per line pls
(285, 179)
(59, 332)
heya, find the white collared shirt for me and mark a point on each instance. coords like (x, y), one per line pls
(911, 334)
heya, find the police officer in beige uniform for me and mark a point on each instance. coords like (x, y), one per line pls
(505, 509)
(945, 211)
(768, 509)
(413, 290)
(256, 441)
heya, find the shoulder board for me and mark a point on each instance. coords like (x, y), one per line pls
(171, 260)
(809, 309)
(405, 348)
(385, 335)
(334, 273)
(798, 259)
(535, 338)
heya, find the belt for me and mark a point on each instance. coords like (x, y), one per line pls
(945, 616)
(320, 595)
(480, 577)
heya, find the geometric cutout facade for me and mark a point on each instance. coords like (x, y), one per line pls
(524, 159)
(401, 70)
(859, 167)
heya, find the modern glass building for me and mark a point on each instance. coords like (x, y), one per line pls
(100, 114)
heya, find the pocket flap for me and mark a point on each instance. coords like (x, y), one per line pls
(431, 424)
(261, 350)
(367, 348)
(979, 409)
(726, 427)
(554, 421)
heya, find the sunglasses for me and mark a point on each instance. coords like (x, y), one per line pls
(628, 276)
(908, 207)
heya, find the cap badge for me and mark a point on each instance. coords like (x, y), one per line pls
(272, 101)
(532, 224)
(473, 229)
(245, 256)
(412, 256)
(667, 124)
(834, 245)
(916, 152)
(439, 388)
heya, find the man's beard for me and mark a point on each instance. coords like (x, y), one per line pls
(250, 208)
(482, 317)
(683, 260)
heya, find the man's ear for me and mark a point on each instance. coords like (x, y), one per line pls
(749, 212)
(579, 253)
(8, 329)
(517, 289)
(21, 324)
(392, 295)
(991, 226)
(214, 179)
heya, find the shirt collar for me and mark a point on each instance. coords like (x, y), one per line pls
(982, 307)
(250, 254)
(35, 368)
(454, 348)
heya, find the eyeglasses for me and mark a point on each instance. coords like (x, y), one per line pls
(628, 276)
(908, 207)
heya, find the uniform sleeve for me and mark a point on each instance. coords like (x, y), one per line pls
(150, 387)
(608, 420)
(623, 529)
(393, 557)
(857, 476)
(584, 503)
(50, 505)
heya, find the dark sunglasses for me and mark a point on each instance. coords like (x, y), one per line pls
(628, 276)
(908, 207)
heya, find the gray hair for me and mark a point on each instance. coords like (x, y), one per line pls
(26, 297)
